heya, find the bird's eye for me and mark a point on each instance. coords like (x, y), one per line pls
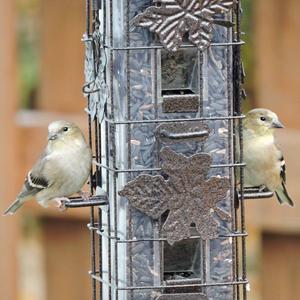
(65, 129)
(263, 118)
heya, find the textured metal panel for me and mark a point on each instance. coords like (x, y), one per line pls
(182, 297)
(180, 103)
(95, 86)
(188, 195)
(171, 20)
(182, 132)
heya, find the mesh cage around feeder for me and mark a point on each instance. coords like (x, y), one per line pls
(163, 82)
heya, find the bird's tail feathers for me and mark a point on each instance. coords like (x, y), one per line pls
(283, 196)
(13, 207)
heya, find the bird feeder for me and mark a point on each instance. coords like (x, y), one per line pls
(163, 86)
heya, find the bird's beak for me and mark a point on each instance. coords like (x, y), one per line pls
(277, 124)
(52, 136)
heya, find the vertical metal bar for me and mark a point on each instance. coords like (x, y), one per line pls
(239, 98)
(157, 246)
(202, 248)
(162, 258)
(104, 26)
(98, 183)
(97, 135)
(231, 153)
(100, 267)
(157, 91)
(106, 130)
(156, 95)
(203, 243)
(236, 250)
(113, 140)
(87, 10)
(108, 143)
(128, 114)
(203, 263)
(115, 223)
(92, 222)
(128, 108)
(92, 216)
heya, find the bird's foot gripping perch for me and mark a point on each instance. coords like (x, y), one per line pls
(61, 203)
(262, 188)
(85, 195)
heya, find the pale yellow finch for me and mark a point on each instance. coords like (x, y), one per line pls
(265, 165)
(61, 170)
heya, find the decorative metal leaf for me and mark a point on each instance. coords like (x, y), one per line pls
(174, 18)
(147, 193)
(95, 87)
(187, 193)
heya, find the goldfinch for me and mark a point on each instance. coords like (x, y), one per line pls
(61, 170)
(265, 165)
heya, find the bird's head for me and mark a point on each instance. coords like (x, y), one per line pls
(63, 131)
(262, 121)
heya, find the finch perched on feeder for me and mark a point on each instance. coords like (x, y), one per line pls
(265, 165)
(61, 170)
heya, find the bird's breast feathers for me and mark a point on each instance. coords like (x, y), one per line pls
(262, 162)
(258, 147)
(67, 170)
(71, 160)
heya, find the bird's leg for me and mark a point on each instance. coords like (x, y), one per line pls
(61, 203)
(84, 195)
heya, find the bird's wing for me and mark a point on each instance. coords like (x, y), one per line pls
(282, 169)
(282, 163)
(36, 177)
(36, 180)
(281, 191)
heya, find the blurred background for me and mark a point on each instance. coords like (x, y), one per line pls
(44, 254)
